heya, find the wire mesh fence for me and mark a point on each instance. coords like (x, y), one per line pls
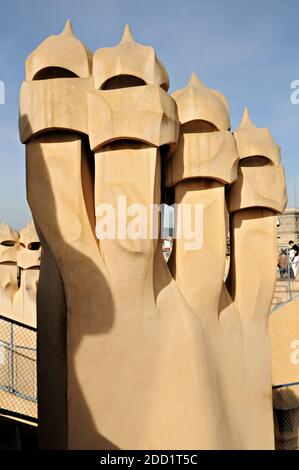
(18, 385)
(286, 416)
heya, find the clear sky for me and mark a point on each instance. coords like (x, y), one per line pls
(249, 50)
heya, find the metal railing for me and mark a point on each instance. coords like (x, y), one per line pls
(18, 383)
(287, 277)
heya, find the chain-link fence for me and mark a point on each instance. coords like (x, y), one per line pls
(18, 387)
(286, 416)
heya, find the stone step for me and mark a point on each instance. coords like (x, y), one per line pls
(285, 282)
(281, 288)
(284, 296)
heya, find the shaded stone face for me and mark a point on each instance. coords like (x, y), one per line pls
(8, 268)
(20, 255)
(8, 244)
(29, 252)
(147, 355)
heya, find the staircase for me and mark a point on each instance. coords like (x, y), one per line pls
(285, 290)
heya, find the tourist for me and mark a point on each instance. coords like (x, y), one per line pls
(282, 263)
(294, 258)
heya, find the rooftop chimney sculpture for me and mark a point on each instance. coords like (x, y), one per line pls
(8, 268)
(136, 354)
(19, 272)
(28, 261)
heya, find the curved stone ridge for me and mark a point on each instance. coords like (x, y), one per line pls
(20, 255)
(146, 113)
(30, 252)
(255, 141)
(8, 234)
(53, 104)
(204, 155)
(63, 51)
(8, 268)
(28, 262)
(128, 58)
(8, 244)
(206, 149)
(261, 178)
(198, 102)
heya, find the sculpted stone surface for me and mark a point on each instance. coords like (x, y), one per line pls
(128, 61)
(8, 268)
(59, 56)
(53, 104)
(206, 155)
(261, 178)
(20, 255)
(28, 261)
(284, 328)
(198, 102)
(258, 185)
(284, 335)
(146, 356)
(8, 244)
(253, 141)
(144, 113)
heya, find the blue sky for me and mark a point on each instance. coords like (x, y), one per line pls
(249, 50)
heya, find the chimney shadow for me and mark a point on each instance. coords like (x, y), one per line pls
(58, 383)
